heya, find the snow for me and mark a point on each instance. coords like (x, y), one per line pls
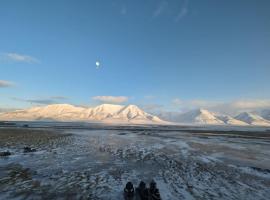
(200, 116)
(205, 117)
(132, 114)
(107, 113)
(231, 121)
(98, 163)
(253, 119)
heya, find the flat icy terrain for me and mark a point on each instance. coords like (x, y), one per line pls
(95, 163)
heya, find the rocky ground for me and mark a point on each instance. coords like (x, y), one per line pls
(96, 164)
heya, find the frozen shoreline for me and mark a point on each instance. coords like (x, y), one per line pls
(91, 163)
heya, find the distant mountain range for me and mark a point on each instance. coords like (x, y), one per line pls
(205, 117)
(106, 113)
(131, 114)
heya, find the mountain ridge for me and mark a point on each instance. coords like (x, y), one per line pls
(108, 113)
(252, 119)
(130, 114)
(204, 117)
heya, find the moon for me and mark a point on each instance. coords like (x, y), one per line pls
(97, 64)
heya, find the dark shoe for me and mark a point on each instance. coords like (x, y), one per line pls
(129, 191)
(154, 191)
(142, 191)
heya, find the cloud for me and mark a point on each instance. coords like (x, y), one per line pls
(3, 110)
(111, 99)
(152, 108)
(194, 103)
(36, 101)
(4, 84)
(232, 107)
(42, 101)
(160, 8)
(183, 11)
(149, 97)
(59, 97)
(177, 101)
(186, 105)
(15, 57)
(250, 104)
(237, 106)
(123, 10)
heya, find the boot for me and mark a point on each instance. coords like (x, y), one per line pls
(129, 191)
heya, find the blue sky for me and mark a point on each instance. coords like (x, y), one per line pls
(151, 52)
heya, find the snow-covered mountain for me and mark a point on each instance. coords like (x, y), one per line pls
(107, 113)
(199, 116)
(252, 119)
(231, 121)
(265, 114)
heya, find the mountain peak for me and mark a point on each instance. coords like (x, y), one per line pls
(104, 113)
(203, 111)
(200, 116)
(132, 108)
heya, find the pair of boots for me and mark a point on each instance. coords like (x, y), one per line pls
(142, 192)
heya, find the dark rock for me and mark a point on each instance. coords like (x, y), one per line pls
(28, 150)
(5, 153)
(261, 170)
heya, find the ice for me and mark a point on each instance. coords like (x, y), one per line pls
(96, 164)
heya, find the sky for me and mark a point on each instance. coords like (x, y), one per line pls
(159, 54)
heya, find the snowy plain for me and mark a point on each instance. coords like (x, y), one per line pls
(95, 161)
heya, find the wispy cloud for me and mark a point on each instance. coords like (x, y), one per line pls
(15, 57)
(164, 6)
(237, 106)
(232, 107)
(4, 84)
(177, 101)
(35, 101)
(152, 108)
(160, 8)
(123, 10)
(111, 99)
(43, 101)
(149, 97)
(59, 97)
(250, 104)
(183, 11)
(3, 110)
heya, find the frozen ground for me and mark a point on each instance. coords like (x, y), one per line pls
(95, 163)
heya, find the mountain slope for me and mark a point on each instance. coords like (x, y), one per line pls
(252, 119)
(231, 121)
(265, 114)
(104, 113)
(200, 116)
(134, 114)
(203, 117)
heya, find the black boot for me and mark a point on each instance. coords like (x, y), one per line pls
(153, 191)
(142, 191)
(129, 191)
